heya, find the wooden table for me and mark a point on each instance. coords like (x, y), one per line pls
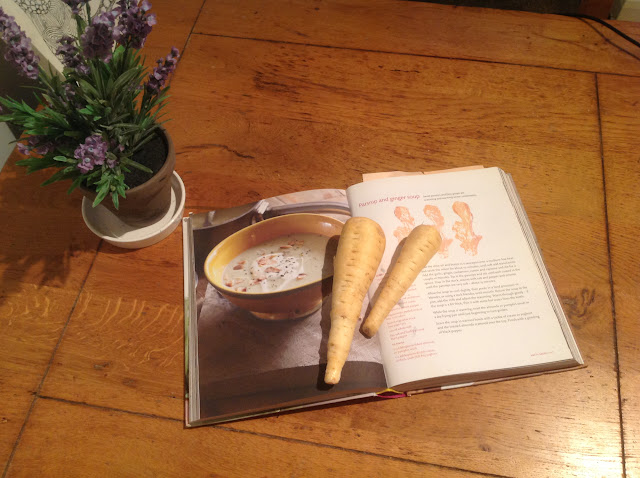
(272, 97)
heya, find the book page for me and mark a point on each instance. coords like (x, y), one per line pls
(255, 350)
(481, 303)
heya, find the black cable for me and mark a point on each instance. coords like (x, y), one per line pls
(605, 24)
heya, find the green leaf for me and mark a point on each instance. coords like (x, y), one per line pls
(90, 178)
(117, 54)
(35, 164)
(57, 118)
(62, 174)
(109, 86)
(80, 24)
(97, 77)
(66, 150)
(120, 189)
(102, 191)
(64, 159)
(88, 88)
(141, 167)
(148, 136)
(125, 78)
(76, 182)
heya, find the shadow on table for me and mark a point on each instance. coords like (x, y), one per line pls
(44, 240)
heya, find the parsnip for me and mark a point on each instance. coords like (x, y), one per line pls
(418, 249)
(358, 256)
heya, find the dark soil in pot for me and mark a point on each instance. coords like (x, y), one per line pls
(152, 155)
(151, 198)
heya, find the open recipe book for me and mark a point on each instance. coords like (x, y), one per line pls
(483, 309)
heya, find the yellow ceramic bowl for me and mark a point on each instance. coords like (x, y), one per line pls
(290, 303)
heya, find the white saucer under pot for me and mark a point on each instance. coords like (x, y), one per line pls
(112, 229)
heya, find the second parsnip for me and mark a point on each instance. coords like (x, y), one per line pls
(417, 250)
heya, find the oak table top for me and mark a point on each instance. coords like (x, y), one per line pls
(272, 97)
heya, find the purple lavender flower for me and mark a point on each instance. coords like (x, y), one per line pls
(91, 153)
(41, 145)
(68, 97)
(19, 51)
(24, 149)
(69, 91)
(37, 144)
(75, 5)
(70, 54)
(112, 160)
(97, 40)
(135, 24)
(158, 77)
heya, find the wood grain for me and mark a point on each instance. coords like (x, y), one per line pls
(102, 442)
(46, 251)
(31, 320)
(44, 239)
(124, 345)
(620, 123)
(274, 97)
(45, 254)
(488, 429)
(429, 29)
(279, 118)
(175, 21)
(260, 118)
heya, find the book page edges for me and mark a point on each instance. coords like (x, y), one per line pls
(536, 251)
(190, 321)
(235, 417)
(464, 381)
(393, 174)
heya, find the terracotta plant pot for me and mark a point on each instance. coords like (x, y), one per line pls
(149, 200)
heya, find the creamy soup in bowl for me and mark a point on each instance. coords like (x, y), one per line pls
(279, 264)
(280, 268)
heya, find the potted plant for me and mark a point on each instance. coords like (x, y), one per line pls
(99, 120)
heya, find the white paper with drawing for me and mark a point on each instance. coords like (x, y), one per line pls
(481, 304)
